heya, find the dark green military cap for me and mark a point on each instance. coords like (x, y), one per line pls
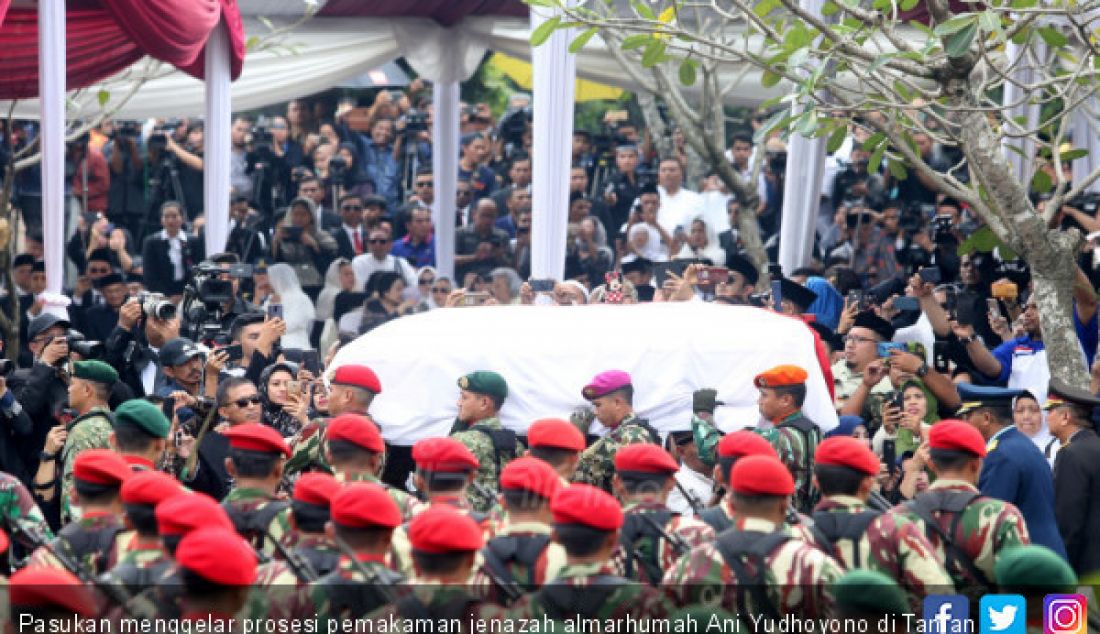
(868, 592)
(143, 415)
(96, 371)
(485, 382)
(1034, 566)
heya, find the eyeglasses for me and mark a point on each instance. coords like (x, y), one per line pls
(425, 184)
(857, 339)
(426, 282)
(98, 271)
(352, 208)
(377, 241)
(441, 290)
(246, 401)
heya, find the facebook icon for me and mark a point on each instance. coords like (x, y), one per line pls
(946, 614)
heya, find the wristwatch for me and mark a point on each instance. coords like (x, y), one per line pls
(966, 341)
(922, 370)
(48, 457)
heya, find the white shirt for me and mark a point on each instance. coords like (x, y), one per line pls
(366, 265)
(678, 210)
(695, 483)
(175, 252)
(149, 373)
(713, 211)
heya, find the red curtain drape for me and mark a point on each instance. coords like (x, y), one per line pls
(102, 40)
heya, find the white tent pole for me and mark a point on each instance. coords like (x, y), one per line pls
(555, 73)
(219, 119)
(51, 91)
(445, 174)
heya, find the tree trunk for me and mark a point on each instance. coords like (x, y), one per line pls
(1054, 294)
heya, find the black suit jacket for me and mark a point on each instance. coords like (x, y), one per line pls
(157, 266)
(344, 247)
(1077, 500)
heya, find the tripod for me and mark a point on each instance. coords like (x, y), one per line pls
(410, 162)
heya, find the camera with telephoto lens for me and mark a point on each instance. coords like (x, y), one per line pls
(337, 168)
(205, 297)
(416, 121)
(156, 305)
(6, 367)
(81, 346)
(260, 155)
(513, 125)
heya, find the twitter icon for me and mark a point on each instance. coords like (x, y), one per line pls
(1003, 614)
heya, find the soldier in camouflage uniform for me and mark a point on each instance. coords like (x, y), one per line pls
(216, 569)
(652, 537)
(364, 517)
(257, 454)
(968, 530)
(861, 537)
(557, 443)
(481, 395)
(586, 524)
(612, 395)
(92, 541)
(89, 389)
(19, 515)
(782, 392)
(731, 448)
(353, 388)
(356, 451)
(142, 559)
(757, 568)
(140, 434)
(521, 556)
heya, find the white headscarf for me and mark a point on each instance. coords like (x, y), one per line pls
(327, 298)
(297, 307)
(712, 252)
(653, 250)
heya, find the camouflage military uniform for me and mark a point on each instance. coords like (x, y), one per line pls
(400, 555)
(19, 513)
(597, 463)
(483, 495)
(892, 545)
(428, 600)
(243, 505)
(593, 591)
(406, 502)
(305, 447)
(96, 535)
(346, 593)
(90, 431)
(722, 517)
(141, 562)
(796, 449)
(550, 561)
(686, 531)
(796, 577)
(986, 528)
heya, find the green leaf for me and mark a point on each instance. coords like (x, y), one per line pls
(687, 71)
(903, 91)
(1041, 182)
(874, 141)
(1053, 37)
(764, 7)
(544, 31)
(1021, 36)
(829, 9)
(807, 123)
(797, 37)
(637, 40)
(546, 4)
(836, 139)
(769, 79)
(983, 240)
(654, 53)
(252, 43)
(577, 44)
(958, 43)
(897, 169)
(103, 96)
(1024, 4)
(954, 25)
(643, 10)
(879, 62)
(876, 159)
(771, 124)
(908, 5)
(1073, 155)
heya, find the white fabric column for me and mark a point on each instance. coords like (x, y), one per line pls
(51, 90)
(801, 190)
(219, 120)
(1086, 136)
(1022, 157)
(445, 174)
(555, 73)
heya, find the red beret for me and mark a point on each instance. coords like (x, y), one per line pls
(364, 505)
(40, 587)
(531, 474)
(218, 555)
(357, 376)
(357, 429)
(588, 506)
(845, 451)
(645, 458)
(316, 488)
(182, 514)
(445, 455)
(781, 376)
(761, 475)
(556, 433)
(956, 435)
(150, 488)
(442, 529)
(256, 437)
(4, 541)
(745, 443)
(101, 466)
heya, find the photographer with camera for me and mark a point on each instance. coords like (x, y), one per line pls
(855, 182)
(17, 428)
(472, 168)
(126, 204)
(98, 321)
(380, 161)
(145, 324)
(42, 389)
(300, 243)
(181, 171)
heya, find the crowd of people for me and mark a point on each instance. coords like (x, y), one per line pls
(172, 397)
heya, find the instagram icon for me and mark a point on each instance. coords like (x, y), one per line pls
(1064, 614)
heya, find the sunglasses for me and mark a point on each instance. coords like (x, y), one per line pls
(98, 271)
(352, 208)
(426, 282)
(441, 290)
(377, 241)
(425, 184)
(246, 401)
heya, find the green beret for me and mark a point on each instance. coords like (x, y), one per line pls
(868, 592)
(1036, 567)
(97, 371)
(143, 415)
(483, 382)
